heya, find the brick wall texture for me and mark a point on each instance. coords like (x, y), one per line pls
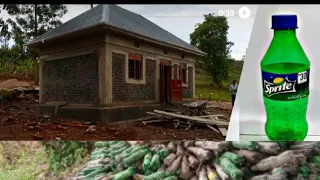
(187, 92)
(124, 92)
(74, 80)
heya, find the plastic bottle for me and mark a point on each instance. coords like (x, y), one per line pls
(285, 81)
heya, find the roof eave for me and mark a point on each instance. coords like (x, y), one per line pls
(36, 43)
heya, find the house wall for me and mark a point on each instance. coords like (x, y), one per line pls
(70, 71)
(124, 89)
(73, 79)
(92, 69)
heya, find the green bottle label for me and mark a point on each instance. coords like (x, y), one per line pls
(285, 87)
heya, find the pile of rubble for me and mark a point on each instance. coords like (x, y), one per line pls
(203, 160)
(14, 88)
(12, 83)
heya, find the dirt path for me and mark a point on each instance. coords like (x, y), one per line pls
(18, 122)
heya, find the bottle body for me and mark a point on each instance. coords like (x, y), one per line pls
(285, 81)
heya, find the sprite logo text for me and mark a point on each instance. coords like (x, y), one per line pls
(279, 86)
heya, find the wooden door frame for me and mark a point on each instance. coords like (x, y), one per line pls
(165, 63)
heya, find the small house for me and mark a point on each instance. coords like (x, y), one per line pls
(110, 56)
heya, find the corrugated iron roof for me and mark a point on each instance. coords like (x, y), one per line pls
(115, 16)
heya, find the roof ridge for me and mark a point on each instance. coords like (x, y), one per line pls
(105, 13)
(127, 10)
(118, 17)
(154, 24)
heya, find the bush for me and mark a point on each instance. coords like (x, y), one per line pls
(8, 96)
(64, 154)
(23, 68)
(12, 62)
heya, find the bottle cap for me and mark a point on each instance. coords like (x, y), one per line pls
(284, 22)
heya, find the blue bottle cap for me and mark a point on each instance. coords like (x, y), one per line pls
(283, 22)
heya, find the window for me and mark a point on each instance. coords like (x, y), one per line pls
(184, 75)
(165, 52)
(135, 66)
(182, 56)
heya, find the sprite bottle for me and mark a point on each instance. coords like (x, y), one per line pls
(285, 82)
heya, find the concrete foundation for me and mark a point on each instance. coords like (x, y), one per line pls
(97, 114)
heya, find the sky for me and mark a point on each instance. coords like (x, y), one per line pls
(181, 20)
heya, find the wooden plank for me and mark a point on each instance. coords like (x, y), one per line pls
(217, 115)
(217, 118)
(143, 119)
(193, 118)
(223, 131)
(154, 121)
(151, 113)
(212, 106)
(159, 115)
(212, 128)
(172, 110)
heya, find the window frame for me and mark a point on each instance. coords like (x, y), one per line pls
(137, 71)
(184, 75)
(126, 66)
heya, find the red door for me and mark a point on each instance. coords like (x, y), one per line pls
(170, 87)
(176, 86)
(176, 91)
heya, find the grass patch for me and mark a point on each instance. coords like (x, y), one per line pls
(204, 85)
(20, 163)
(204, 88)
(29, 160)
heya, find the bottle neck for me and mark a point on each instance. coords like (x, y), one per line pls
(286, 33)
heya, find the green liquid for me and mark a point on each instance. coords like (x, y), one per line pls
(286, 119)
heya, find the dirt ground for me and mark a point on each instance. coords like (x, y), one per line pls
(18, 122)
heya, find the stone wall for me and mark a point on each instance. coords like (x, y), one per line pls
(187, 92)
(125, 92)
(74, 80)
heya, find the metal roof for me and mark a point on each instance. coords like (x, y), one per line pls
(117, 17)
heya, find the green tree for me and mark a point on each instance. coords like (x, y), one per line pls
(211, 37)
(33, 20)
(5, 34)
(17, 35)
